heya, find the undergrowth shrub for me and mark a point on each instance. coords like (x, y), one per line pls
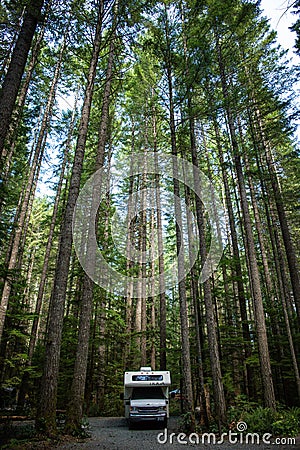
(282, 422)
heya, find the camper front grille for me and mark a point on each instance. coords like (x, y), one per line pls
(147, 409)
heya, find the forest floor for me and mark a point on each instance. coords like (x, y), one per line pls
(112, 433)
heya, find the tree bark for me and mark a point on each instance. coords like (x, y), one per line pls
(75, 407)
(129, 263)
(289, 248)
(34, 171)
(161, 263)
(195, 297)
(186, 360)
(9, 146)
(6, 60)
(209, 306)
(42, 283)
(12, 81)
(263, 349)
(237, 264)
(46, 412)
(284, 292)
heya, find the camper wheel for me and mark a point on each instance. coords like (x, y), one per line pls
(164, 424)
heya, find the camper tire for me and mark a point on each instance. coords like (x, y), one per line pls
(164, 424)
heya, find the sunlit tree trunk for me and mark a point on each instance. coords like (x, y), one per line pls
(160, 248)
(153, 297)
(129, 263)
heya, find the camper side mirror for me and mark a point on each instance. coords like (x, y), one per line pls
(122, 396)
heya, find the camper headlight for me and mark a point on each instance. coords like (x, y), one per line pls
(162, 408)
(133, 409)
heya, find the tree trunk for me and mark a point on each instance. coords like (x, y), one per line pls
(75, 407)
(185, 355)
(195, 297)
(284, 292)
(50, 239)
(263, 349)
(34, 171)
(209, 306)
(153, 297)
(143, 237)
(12, 81)
(6, 60)
(237, 265)
(289, 248)
(161, 263)
(268, 389)
(46, 413)
(210, 315)
(129, 263)
(42, 283)
(9, 147)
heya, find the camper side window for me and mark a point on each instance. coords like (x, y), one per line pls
(140, 393)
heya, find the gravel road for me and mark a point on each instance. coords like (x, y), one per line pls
(112, 433)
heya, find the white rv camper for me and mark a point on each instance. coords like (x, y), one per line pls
(146, 396)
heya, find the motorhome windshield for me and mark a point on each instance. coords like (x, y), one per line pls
(140, 393)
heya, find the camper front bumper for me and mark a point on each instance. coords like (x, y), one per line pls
(137, 414)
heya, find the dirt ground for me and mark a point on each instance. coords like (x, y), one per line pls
(112, 433)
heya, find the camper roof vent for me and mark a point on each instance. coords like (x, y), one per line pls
(145, 369)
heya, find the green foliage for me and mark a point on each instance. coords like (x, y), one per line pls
(185, 423)
(16, 437)
(283, 422)
(174, 407)
(287, 423)
(259, 420)
(241, 405)
(296, 25)
(81, 431)
(113, 406)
